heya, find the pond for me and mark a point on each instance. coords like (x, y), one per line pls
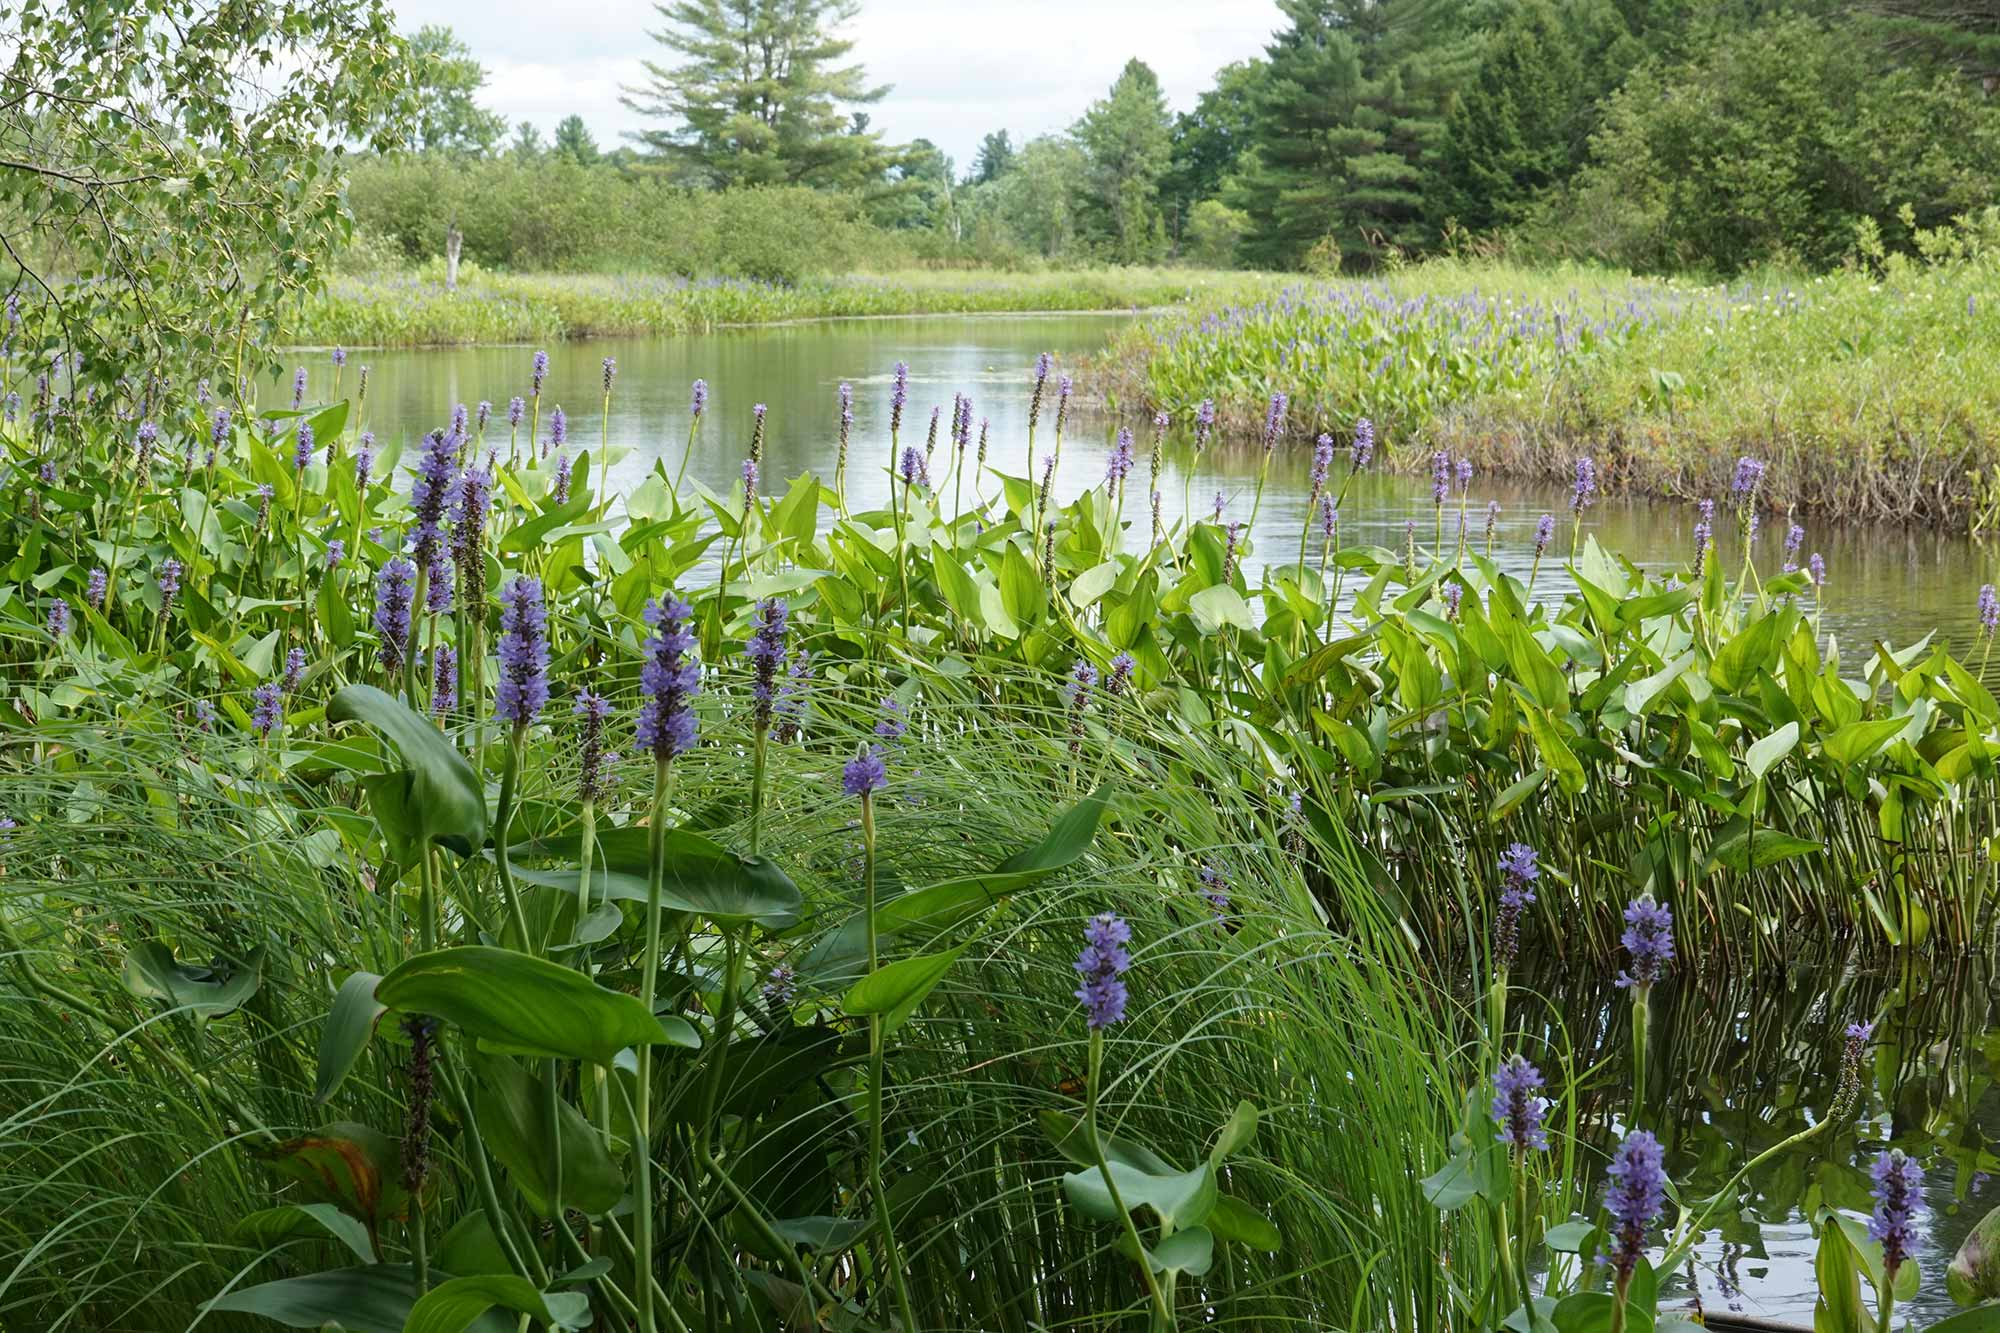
(1892, 583)
(1744, 1059)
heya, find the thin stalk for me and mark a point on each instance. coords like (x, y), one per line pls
(642, 1114)
(510, 774)
(1163, 1313)
(891, 1254)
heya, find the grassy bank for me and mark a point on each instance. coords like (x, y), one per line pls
(1872, 397)
(406, 309)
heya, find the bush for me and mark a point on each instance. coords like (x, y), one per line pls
(1213, 231)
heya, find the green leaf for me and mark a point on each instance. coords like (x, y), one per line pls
(525, 1004)
(895, 991)
(942, 905)
(1232, 1219)
(349, 1026)
(357, 1167)
(1839, 1308)
(374, 1299)
(272, 1226)
(1218, 605)
(1751, 650)
(1974, 1274)
(1237, 1133)
(1768, 752)
(512, 1108)
(151, 973)
(1182, 1199)
(1979, 1319)
(456, 1305)
(1454, 1184)
(438, 798)
(1092, 584)
(1190, 1251)
(1857, 741)
(1754, 849)
(1570, 1237)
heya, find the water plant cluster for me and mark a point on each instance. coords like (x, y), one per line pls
(439, 892)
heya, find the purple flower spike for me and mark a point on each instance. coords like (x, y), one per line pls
(1120, 464)
(1274, 422)
(1816, 569)
(1102, 964)
(1585, 489)
(1519, 869)
(1898, 1192)
(1648, 940)
(302, 456)
(1440, 476)
(298, 388)
(517, 411)
(766, 651)
(1989, 610)
(339, 356)
(1636, 1191)
(899, 396)
(1204, 423)
(1518, 1107)
(1364, 443)
(1076, 697)
(558, 430)
(364, 461)
(781, 986)
(295, 670)
(670, 680)
(1213, 887)
(336, 551)
(1322, 461)
(595, 710)
(610, 373)
(444, 680)
(58, 623)
(267, 711)
(93, 593)
(1545, 528)
(392, 610)
(1120, 677)
(523, 650)
(864, 774)
(540, 371)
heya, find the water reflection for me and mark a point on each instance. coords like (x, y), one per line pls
(1743, 1062)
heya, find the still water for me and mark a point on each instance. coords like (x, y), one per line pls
(1746, 1060)
(1891, 583)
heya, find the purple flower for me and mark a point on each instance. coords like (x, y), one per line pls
(698, 399)
(1795, 537)
(295, 670)
(149, 435)
(1545, 528)
(899, 396)
(1329, 519)
(1989, 609)
(610, 373)
(263, 494)
(863, 774)
(539, 373)
(1363, 448)
(1585, 489)
(218, 433)
(339, 356)
(1102, 964)
(444, 680)
(1899, 1182)
(1120, 677)
(58, 623)
(1518, 1107)
(93, 592)
(1648, 940)
(1464, 474)
(460, 419)
(336, 551)
(560, 492)
(170, 576)
(472, 503)
(912, 466)
(517, 411)
(757, 412)
(1749, 475)
(766, 651)
(1215, 515)
(595, 710)
(1519, 871)
(1322, 460)
(1274, 422)
(523, 651)
(1857, 1036)
(298, 388)
(1204, 423)
(1634, 1194)
(1076, 697)
(1120, 464)
(204, 715)
(302, 455)
(485, 415)
(1704, 536)
(670, 680)
(364, 461)
(268, 702)
(1064, 384)
(558, 431)
(437, 588)
(1454, 593)
(392, 610)
(892, 724)
(1230, 544)
(749, 485)
(781, 985)
(1816, 569)
(437, 475)
(846, 417)
(1440, 476)
(1213, 886)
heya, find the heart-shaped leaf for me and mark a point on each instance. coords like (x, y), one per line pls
(513, 1113)
(354, 1166)
(456, 1305)
(317, 1221)
(151, 973)
(895, 991)
(524, 1004)
(1183, 1199)
(349, 1025)
(374, 1299)
(436, 797)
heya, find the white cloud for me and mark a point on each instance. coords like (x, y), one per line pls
(957, 70)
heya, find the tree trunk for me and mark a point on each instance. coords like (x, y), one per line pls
(453, 239)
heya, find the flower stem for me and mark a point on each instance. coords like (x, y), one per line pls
(892, 1258)
(1164, 1314)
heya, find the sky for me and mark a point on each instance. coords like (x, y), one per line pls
(959, 69)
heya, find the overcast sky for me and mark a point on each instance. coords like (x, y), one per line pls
(959, 67)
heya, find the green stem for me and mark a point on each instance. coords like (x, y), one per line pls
(891, 1254)
(642, 1114)
(503, 835)
(1164, 1314)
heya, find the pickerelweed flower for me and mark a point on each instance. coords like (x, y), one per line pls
(170, 577)
(781, 986)
(670, 680)
(437, 475)
(1329, 519)
(899, 396)
(1704, 536)
(845, 420)
(749, 484)
(1363, 447)
(1076, 697)
(1648, 942)
(263, 494)
(864, 774)
(1440, 477)
(1520, 867)
(204, 715)
(912, 467)
(698, 399)
(142, 445)
(1898, 1192)
(1044, 363)
(1518, 1106)
(267, 710)
(517, 411)
(538, 373)
(298, 388)
(218, 433)
(1856, 1042)
(392, 610)
(1119, 679)
(558, 431)
(472, 503)
(1454, 593)
(302, 453)
(438, 584)
(1119, 466)
(295, 670)
(461, 421)
(790, 710)
(444, 679)
(1816, 569)
(891, 722)
(757, 412)
(1204, 423)
(1492, 519)
(364, 461)
(1989, 610)
(1585, 489)
(1464, 474)
(1635, 1191)
(58, 621)
(483, 415)
(93, 592)
(1229, 545)
(336, 551)
(1795, 537)
(595, 710)
(1322, 462)
(1213, 886)
(339, 357)
(1064, 386)
(1545, 528)
(1274, 422)
(610, 373)
(766, 651)
(1102, 965)
(1215, 514)
(523, 687)
(1749, 475)
(559, 492)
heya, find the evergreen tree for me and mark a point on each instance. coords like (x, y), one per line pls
(995, 158)
(574, 142)
(527, 145)
(758, 96)
(1209, 141)
(1129, 139)
(1964, 34)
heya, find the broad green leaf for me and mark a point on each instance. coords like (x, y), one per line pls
(1237, 1133)
(523, 1003)
(896, 990)
(1183, 1199)
(151, 973)
(1753, 649)
(1190, 1251)
(438, 795)
(1768, 752)
(349, 1026)
(1093, 583)
(317, 1221)
(374, 1299)
(1974, 1274)
(1232, 1219)
(456, 1305)
(512, 1107)
(354, 1166)
(1857, 741)
(1218, 605)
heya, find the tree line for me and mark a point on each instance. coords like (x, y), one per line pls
(1667, 135)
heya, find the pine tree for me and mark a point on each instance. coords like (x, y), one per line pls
(759, 96)
(994, 160)
(1129, 138)
(1964, 34)
(573, 141)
